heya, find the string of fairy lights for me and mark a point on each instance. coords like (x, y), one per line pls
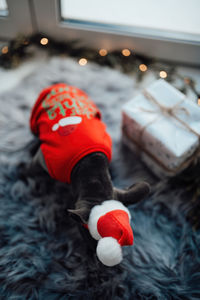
(126, 52)
(103, 52)
(125, 59)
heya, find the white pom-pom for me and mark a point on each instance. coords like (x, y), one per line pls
(109, 251)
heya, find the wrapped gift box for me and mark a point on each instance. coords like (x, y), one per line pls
(163, 126)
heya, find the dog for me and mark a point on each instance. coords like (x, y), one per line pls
(75, 148)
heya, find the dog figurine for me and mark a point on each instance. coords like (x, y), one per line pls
(75, 148)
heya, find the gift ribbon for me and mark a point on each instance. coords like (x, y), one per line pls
(169, 111)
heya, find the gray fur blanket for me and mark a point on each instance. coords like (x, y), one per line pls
(42, 254)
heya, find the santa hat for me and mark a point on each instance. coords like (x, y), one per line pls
(109, 223)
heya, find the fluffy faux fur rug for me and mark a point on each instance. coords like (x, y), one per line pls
(42, 255)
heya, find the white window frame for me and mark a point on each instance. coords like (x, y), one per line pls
(18, 21)
(154, 43)
(29, 16)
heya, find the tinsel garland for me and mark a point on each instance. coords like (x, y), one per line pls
(188, 182)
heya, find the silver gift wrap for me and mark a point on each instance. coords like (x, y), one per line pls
(164, 126)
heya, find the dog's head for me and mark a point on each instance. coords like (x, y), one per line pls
(108, 222)
(132, 195)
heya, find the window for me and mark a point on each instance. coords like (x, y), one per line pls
(15, 18)
(101, 24)
(3, 8)
(168, 17)
(165, 29)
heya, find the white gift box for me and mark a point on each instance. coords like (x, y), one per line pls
(164, 127)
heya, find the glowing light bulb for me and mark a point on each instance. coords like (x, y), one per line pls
(187, 80)
(4, 50)
(126, 52)
(163, 74)
(82, 61)
(199, 101)
(44, 41)
(103, 52)
(143, 68)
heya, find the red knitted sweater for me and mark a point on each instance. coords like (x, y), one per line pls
(69, 127)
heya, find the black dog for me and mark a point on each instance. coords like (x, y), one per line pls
(90, 179)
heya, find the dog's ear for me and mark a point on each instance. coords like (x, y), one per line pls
(80, 215)
(133, 194)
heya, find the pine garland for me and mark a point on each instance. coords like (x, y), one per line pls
(18, 49)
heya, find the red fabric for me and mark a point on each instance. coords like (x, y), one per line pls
(63, 146)
(116, 224)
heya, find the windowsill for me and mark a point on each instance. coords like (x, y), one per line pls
(148, 33)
